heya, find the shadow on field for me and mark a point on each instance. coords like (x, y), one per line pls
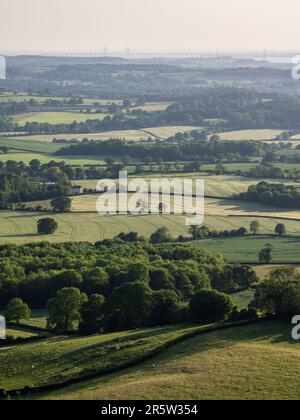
(21, 235)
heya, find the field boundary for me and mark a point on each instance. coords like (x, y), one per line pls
(93, 374)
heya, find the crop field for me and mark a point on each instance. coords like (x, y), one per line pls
(250, 362)
(58, 117)
(131, 135)
(260, 134)
(218, 185)
(58, 358)
(21, 227)
(212, 207)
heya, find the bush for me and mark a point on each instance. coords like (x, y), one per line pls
(210, 305)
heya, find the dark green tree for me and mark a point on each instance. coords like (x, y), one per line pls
(61, 204)
(91, 315)
(47, 226)
(17, 310)
(64, 310)
(210, 305)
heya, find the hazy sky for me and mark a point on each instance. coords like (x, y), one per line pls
(53, 25)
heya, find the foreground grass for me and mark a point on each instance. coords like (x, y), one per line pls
(59, 358)
(250, 362)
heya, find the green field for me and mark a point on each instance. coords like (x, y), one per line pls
(61, 117)
(246, 250)
(61, 357)
(21, 145)
(253, 362)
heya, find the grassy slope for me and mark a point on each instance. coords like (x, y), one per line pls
(254, 362)
(61, 357)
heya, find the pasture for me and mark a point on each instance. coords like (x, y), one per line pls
(251, 362)
(246, 249)
(59, 358)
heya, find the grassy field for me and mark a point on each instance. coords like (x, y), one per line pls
(20, 228)
(133, 135)
(286, 250)
(261, 134)
(19, 333)
(154, 106)
(24, 146)
(61, 357)
(264, 270)
(66, 117)
(26, 157)
(253, 362)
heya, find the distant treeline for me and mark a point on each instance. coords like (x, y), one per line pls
(234, 108)
(277, 195)
(188, 150)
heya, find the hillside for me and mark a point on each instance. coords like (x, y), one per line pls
(254, 362)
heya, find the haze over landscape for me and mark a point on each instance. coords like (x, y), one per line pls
(67, 25)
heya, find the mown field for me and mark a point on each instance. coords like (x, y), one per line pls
(218, 185)
(259, 134)
(212, 207)
(250, 362)
(61, 117)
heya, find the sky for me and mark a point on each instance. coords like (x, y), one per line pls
(78, 25)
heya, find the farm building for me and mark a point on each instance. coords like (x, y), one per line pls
(77, 189)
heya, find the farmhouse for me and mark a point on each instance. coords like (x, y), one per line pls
(77, 190)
